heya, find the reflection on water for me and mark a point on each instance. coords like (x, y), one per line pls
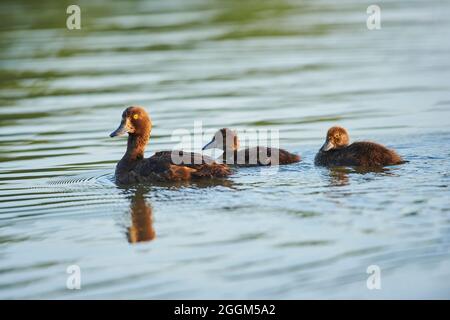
(141, 228)
(339, 176)
(296, 66)
(140, 210)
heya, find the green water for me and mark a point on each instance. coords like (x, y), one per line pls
(298, 67)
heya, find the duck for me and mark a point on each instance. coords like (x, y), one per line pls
(336, 151)
(228, 141)
(163, 166)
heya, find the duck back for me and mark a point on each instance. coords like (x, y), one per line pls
(161, 167)
(366, 154)
(261, 156)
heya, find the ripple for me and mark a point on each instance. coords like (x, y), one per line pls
(101, 179)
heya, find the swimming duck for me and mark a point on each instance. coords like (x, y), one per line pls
(161, 166)
(336, 151)
(228, 141)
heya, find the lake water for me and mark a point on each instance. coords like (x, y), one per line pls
(298, 67)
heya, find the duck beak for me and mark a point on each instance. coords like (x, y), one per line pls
(121, 130)
(328, 145)
(210, 145)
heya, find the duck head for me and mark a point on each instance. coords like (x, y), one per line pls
(337, 137)
(135, 121)
(224, 139)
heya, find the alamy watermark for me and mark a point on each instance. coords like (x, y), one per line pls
(73, 281)
(73, 22)
(374, 19)
(233, 147)
(374, 280)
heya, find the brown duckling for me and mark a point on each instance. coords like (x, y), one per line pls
(336, 151)
(162, 166)
(228, 141)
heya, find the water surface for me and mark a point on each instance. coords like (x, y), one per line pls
(294, 66)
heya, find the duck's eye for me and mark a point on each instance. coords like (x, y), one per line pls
(135, 116)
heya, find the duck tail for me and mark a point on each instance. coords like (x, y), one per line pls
(287, 157)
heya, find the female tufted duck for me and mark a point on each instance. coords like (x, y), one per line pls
(161, 166)
(336, 151)
(228, 141)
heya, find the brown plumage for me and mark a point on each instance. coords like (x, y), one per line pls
(336, 151)
(162, 166)
(228, 141)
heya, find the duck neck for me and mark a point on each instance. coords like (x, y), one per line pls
(229, 155)
(136, 147)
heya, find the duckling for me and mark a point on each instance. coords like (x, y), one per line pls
(336, 151)
(133, 168)
(228, 141)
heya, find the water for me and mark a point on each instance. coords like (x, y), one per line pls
(295, 66)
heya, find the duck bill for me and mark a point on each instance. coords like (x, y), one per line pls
(328, 145)
(121, 130)
(210, 145)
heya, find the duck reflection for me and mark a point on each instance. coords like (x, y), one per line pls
(340, 176)
(141, 229)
